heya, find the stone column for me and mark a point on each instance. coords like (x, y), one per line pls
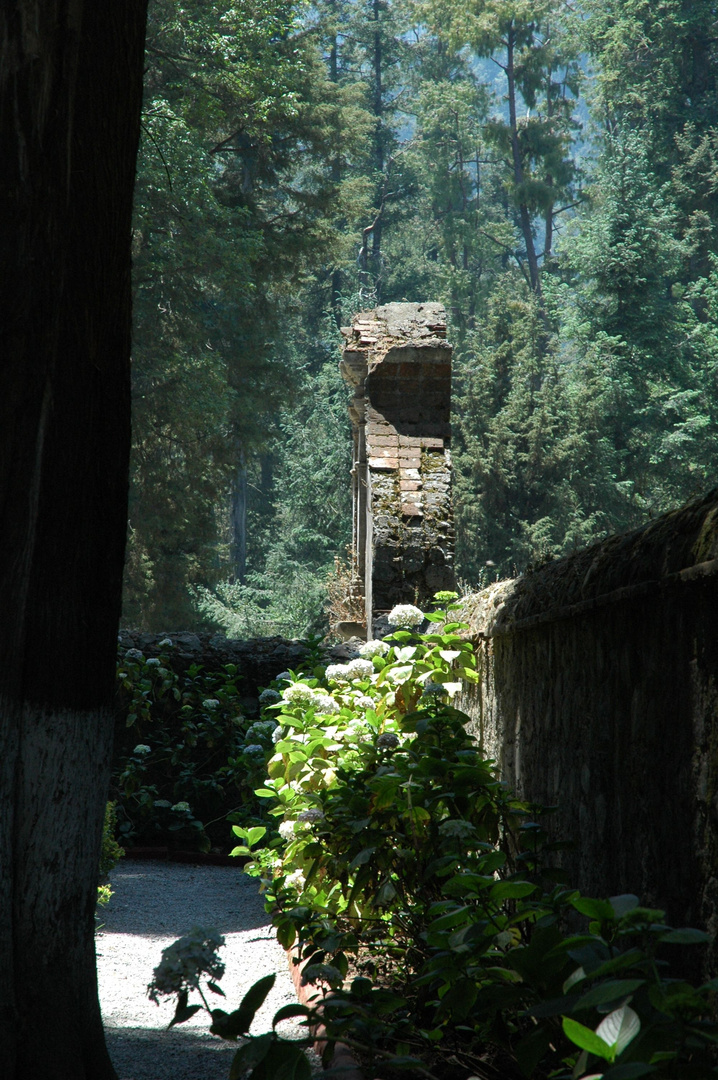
(398, 360)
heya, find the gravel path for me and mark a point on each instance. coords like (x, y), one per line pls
(153, 904)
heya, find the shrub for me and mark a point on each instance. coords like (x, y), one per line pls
(398, 848)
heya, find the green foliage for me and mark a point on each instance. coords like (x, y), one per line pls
(111, 852)
(399, 846)
(186, 757)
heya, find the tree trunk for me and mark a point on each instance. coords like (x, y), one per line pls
(70, 93)
(524, 212)
(239, 519)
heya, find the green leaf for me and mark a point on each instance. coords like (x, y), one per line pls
(619, 1028)
(251, 1054)
(285, 1061)
(288, 1011)
(623, 904)
(630, 1071)
(183, 1011)
(255, 834)
(686, 935)
(594, 909)
(609, 991)
(240, 1021)
(511, 890)
(586, 1039)
(363, 857)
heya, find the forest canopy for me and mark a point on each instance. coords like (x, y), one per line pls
(548, 171)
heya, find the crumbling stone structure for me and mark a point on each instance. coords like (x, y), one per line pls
(398, 360)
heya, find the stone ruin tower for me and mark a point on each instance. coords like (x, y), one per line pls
(398, 361)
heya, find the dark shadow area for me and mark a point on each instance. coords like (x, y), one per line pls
(179, 1054)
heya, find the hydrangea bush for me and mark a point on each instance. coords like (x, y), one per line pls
(187, 756)
(398, 844)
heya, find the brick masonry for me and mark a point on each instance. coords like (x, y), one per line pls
(398, 361)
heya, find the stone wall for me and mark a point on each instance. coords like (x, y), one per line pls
(600, 696)
(398, 361)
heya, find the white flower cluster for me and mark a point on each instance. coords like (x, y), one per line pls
(324, 703)
(210, 703)
(360, 669)
(373, 648)
(299, 694)
(166, 643)
(153, 661)
(457, 829)
(134, 654)
(277, 734)
(337, 673)
(286, 830)
(185, 961)
(405, 616)
(142, 748)
(307, 697)
(296, 880)
(182, 807)
(363, 701)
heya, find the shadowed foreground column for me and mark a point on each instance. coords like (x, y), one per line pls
(398, 360)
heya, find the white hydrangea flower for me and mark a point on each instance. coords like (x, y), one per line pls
(210, 703)
(142, 748)
(134, 654)
(405, 616)
(182, 806)
(299, 694)
(286, 830)
(166, 643)
(360, 669)
(363, 702)
(324, 703)
(277, 734)
(373, 648)
(121, 674)
(296, 880)
(153, 661)
(337, 673)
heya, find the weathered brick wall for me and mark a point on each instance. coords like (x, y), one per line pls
(399, 362)
(600, 696)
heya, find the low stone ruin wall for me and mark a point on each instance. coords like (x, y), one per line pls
(600, 696)
(259, 660)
